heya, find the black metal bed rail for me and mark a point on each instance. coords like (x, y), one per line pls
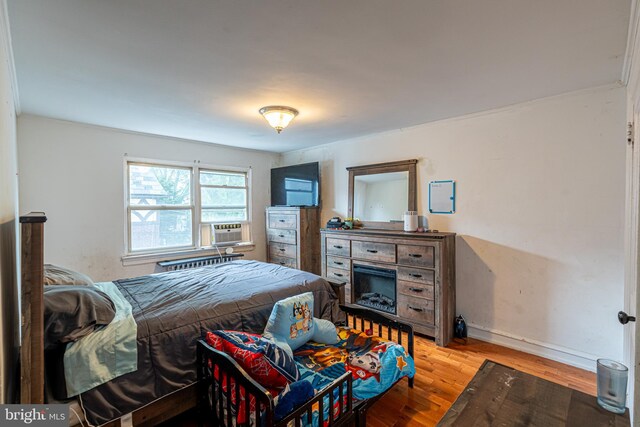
(357, 318)
(221, 404)
(342, 387)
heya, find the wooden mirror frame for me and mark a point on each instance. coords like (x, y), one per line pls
(401, 166)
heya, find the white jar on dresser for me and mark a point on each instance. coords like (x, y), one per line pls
(409, 276)
(293, 237)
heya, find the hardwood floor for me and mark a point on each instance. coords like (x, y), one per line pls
(443, 373)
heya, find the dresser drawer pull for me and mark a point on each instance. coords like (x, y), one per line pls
(338, 263)
(338, 274)
(417, 276)
(415, 308)
(372, 251)
(281, 220)
(415, 255)
(337, 246)
(282, 263)
(283, 250)
(416, 290)
(280, 235)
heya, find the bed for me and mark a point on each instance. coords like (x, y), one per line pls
(171, 311)
(342, 395)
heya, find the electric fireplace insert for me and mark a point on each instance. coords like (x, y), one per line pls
(375, 288)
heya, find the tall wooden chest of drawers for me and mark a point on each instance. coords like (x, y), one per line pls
(424, 266)
(293, 237)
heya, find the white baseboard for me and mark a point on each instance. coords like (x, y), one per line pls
(550, 351)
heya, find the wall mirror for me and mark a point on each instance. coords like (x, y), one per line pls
(380, 194)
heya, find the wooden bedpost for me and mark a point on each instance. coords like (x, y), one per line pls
(32, 305)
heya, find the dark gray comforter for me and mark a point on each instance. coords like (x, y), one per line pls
(173, 310)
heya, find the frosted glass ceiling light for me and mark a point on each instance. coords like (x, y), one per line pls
(278, 117)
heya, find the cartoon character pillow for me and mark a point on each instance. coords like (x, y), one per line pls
(261, 359)
(291, 323)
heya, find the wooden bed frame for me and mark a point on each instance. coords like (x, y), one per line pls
(32, 308)
(32, 342)
(215, 404)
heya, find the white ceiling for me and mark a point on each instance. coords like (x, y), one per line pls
(201, 69)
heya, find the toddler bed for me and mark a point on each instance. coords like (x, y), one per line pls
(346, 377)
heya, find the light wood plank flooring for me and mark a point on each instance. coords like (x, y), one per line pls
(443, 373)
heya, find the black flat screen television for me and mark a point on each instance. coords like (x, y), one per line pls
(297, 185)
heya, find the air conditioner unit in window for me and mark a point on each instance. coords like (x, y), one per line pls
(226, 233)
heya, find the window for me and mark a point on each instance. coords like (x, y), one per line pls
(174, 207)
(223, 196)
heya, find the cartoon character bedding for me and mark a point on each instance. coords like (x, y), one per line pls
(374, 363)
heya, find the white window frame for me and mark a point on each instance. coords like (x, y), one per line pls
(247, 172)
(197, 248)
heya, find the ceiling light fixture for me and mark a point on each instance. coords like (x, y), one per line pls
(278, 116)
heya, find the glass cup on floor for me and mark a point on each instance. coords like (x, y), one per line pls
(612, 385)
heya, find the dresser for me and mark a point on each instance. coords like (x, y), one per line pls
(408, 276)
(293, 237)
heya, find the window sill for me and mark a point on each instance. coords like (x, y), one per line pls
(152, 258)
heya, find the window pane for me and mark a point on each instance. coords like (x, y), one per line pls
(158, 185)
(217, 215)
(154, 229)
(223, 178)
(230, 197)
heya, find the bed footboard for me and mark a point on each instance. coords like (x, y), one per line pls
(223, 384)
(364, 319)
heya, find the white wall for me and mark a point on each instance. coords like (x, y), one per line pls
(74, 173)
(540, 215)
(9, 306)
